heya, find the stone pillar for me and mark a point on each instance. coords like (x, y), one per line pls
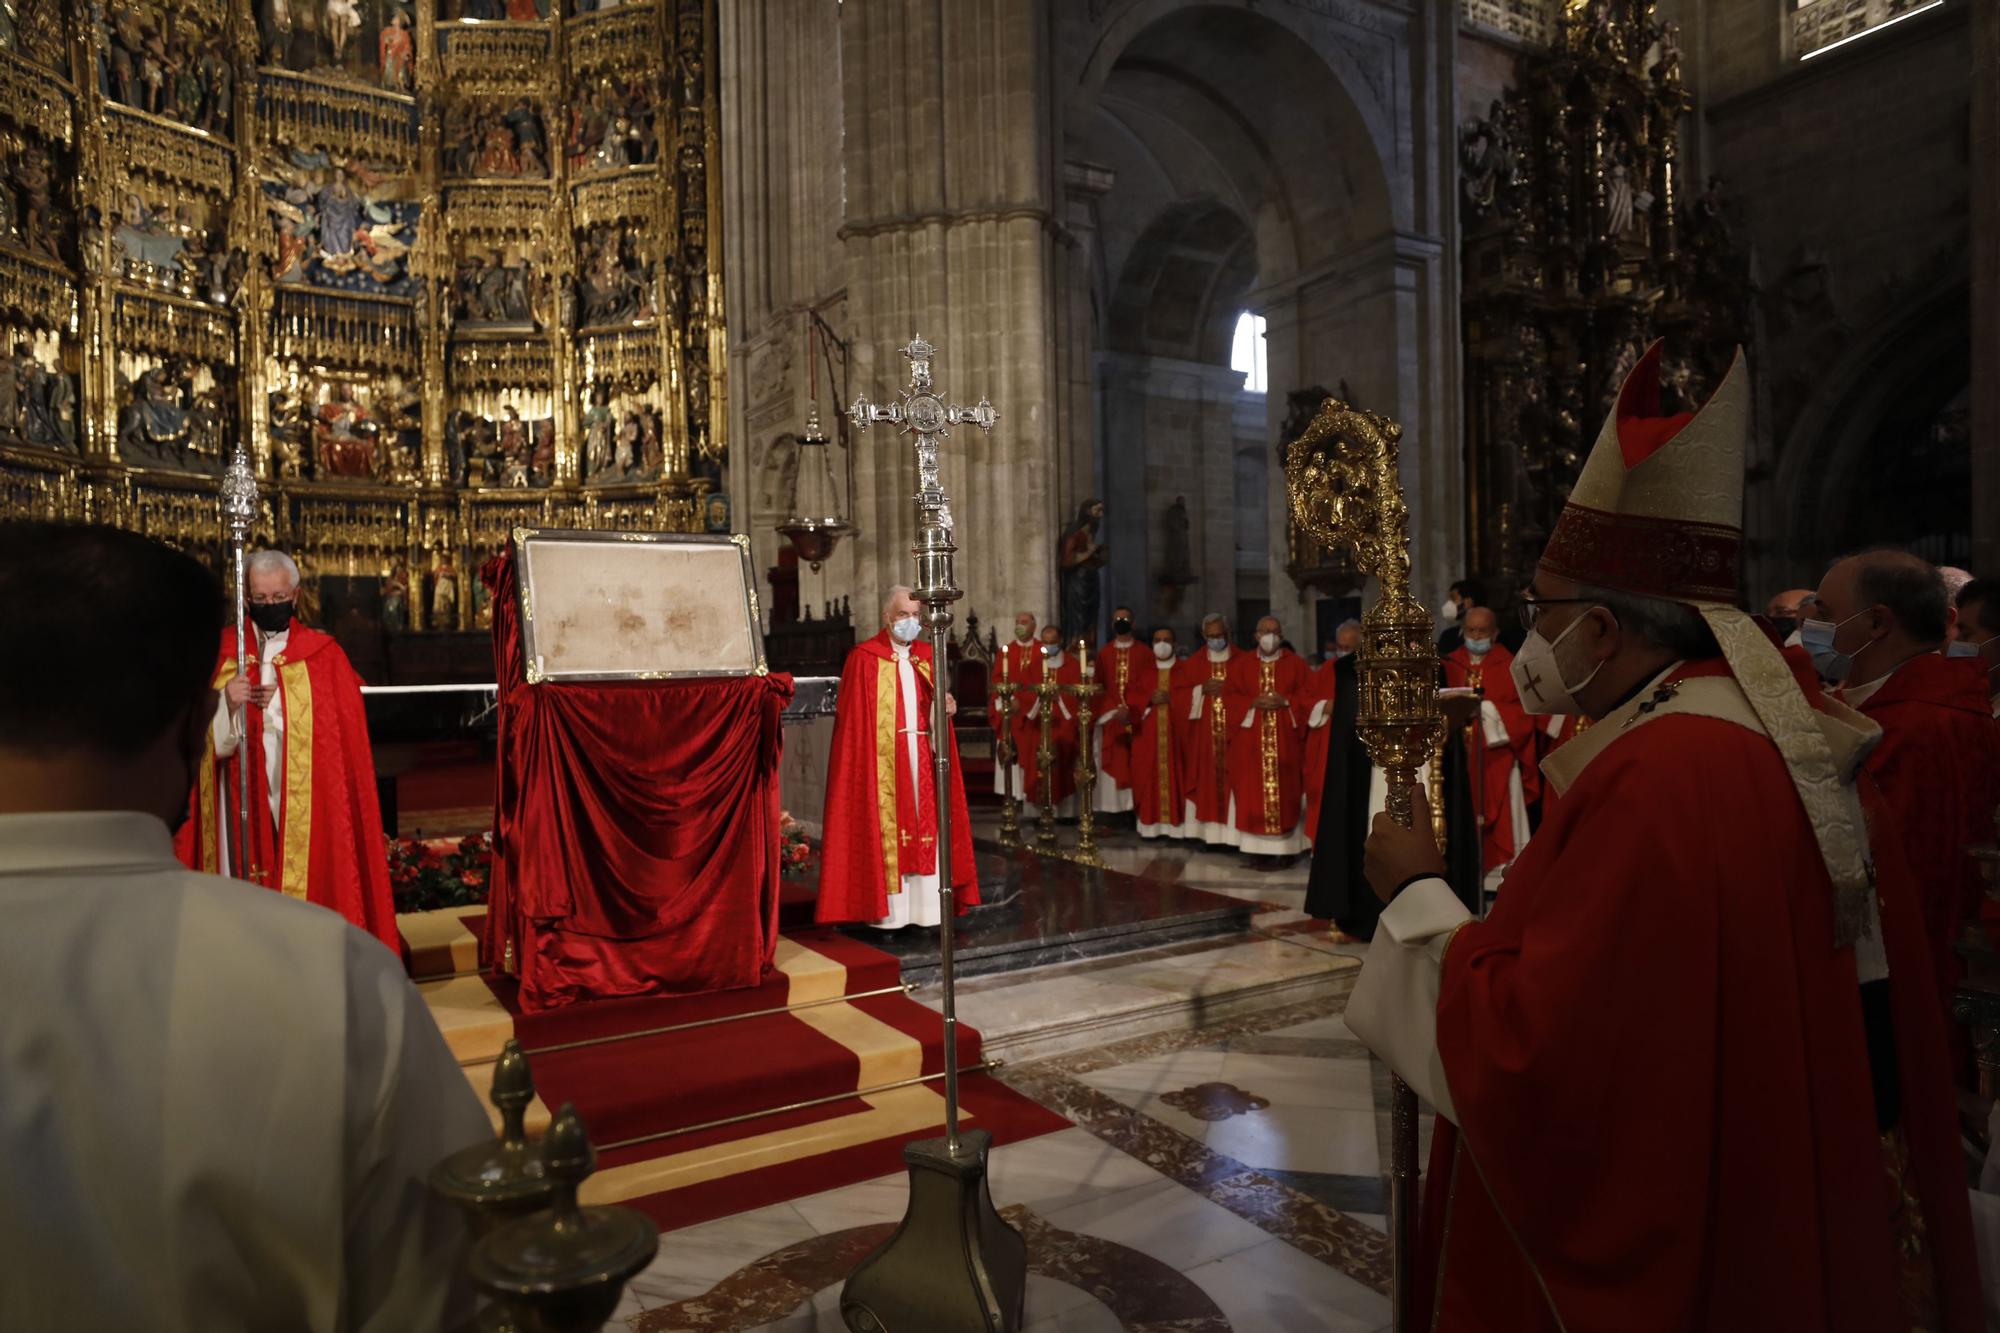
(949, 234)
(1985, 440)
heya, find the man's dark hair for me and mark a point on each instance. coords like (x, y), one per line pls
(1909, 585)
(1472, 591)
(113, 636)
(1982, 598)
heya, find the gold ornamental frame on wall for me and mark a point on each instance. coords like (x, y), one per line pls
(213, 201)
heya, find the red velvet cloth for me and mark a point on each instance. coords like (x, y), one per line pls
(1494, 674)
(635, 829)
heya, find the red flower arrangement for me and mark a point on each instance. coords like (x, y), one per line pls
(426, 874)
(797, 855)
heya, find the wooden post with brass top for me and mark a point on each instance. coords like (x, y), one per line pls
(1341, 478)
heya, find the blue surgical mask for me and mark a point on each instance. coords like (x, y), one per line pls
(1816, 637)
(905, 630)
(1216, 645)
(1479, 647)
(1960, 648)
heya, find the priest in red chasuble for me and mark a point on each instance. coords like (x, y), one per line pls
(1317, 700)
(315, 821)
(878, 855)
(1690, 1072)
(1499, 743)
(1118, 665)
(1015, 659)
(1878, 627)
(1265, 693)
(1156, 704)
(1050, 664)
(1204, 740)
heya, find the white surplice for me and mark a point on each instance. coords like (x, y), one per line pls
(217, 1104)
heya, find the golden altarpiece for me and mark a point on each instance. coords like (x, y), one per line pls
(442, 266)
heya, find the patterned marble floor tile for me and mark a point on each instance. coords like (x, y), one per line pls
(1292, 1080)
(1272, 1288)
(1172, 1224)
(713, 1250)
(880, 1200)
(1333, 1028)
(1301, 1138)
(1357, 1196)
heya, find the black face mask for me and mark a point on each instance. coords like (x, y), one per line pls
(1122, 625)
(1784, 625)
(271, 616)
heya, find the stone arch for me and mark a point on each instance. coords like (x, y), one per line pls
(1251, 159)
(1846, 471)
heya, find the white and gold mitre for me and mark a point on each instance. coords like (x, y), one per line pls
(1658, 507)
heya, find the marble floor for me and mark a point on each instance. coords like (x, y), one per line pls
(1225, 1174)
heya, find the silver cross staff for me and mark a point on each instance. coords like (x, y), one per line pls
(238, 499)
(925, 414)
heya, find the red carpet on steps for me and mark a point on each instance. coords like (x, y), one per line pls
(755, 1063)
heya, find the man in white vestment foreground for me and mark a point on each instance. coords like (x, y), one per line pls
(218, 1104)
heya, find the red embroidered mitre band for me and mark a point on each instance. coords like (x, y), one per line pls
(1657, 557)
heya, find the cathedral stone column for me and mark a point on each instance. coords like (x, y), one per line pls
(949, 233)
(1985, 23)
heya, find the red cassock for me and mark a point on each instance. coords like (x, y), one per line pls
(326, 846)
(880, 823)
(1117, 668)
(1062, 729)
(1656, 1055)
(1267, 758)
(1319, 690)
(1204, 741)
(1159, 786)
(1938, 765)
(1490, 766)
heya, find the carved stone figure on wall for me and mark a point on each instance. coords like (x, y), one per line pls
(614, 280)
(1078, 560)
(1177, 545)
(43, 221)
(1486, 159)
(444, 594)
(1618, 204)
(36, 404)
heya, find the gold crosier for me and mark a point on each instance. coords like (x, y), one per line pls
(1342, 480)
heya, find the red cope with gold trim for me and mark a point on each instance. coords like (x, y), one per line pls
(1267, 758)
(1321, 686)
(1159, 779)
(879, 822)
(1204, 741)
(326, 845)
(1492, 765)
(1117, 668)
(1062, 728)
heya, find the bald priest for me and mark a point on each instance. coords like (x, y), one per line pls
(296, 713)
(1690, 1073)
(878, 862)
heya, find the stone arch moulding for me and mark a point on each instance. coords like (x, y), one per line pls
(1356, 44)
(1825, 445)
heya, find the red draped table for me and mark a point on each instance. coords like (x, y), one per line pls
(635, 829)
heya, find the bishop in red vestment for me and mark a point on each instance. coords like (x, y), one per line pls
(1156, 705)
(1317, 700)
(1938, 764)
(1015, 659)
(1118, 664)
(1690, 1072)
(1050, 665)
(315, 820)
(1499, 743)
(1265, 693)
(878, 857)
(1204, 741)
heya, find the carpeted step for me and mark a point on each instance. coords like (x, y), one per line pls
(650, 1085)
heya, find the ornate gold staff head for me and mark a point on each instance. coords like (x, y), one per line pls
(1342, 479)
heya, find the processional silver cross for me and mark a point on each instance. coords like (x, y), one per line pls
(954, 1263)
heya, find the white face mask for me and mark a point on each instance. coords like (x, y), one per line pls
(1448, 613)
(905, 629)
(1268, 642)
(1478, 647)
(1217, 644)
(1539, 677)
(1052, 650)
(1163, 651)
